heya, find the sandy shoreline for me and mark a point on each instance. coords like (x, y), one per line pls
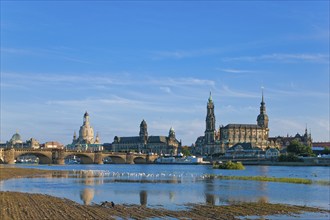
(14, 205)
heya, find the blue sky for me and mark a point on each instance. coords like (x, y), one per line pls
(127, 61)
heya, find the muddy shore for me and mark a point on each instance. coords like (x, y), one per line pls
(15, 205)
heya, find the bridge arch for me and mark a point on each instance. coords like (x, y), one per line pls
(84, 157)
(44, 158)
(139, 160)
(112, 159)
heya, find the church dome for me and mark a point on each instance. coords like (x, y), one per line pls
(86, 114)
(143, 123)
(16, 138)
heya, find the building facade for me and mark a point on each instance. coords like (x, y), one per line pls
(17, 142)
(86, 140)
(227, 136)
(147, 144)
(210, 142)
(256, 134)
(281, 142)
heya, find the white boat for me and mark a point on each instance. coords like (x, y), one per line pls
(179, 160)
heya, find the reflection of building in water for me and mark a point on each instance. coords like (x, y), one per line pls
(172, 196)
(209, 192)
(87, 195)
(89, 177)
(143, 197)
(209, 199)
(263, 199)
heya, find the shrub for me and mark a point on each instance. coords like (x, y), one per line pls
(229, 165)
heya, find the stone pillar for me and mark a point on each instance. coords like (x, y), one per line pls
(9, 156)
(148, 159)
(129, 158)
(58, 157)
(98, 159)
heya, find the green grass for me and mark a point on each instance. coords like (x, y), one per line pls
(268, 179)
(271, 179)
(322, 182)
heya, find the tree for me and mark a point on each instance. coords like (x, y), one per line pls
(298, 148)
(186, 151)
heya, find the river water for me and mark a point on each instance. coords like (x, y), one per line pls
(174, 186)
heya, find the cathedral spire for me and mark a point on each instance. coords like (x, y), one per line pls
(210, 121)
(262, 119)
(262, 103)
(210, 97)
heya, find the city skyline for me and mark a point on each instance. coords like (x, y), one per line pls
(158, 61)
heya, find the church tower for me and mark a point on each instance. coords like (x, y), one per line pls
(143, 131)
(86, 132)
(86, 119)
(262, 119)
(171, 134)
(210, 122)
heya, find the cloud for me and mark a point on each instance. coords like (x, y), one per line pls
(226, 91)
(235, 70)
(180, 54)
(178, 82)
(294, 92)
(17, 51)
(76, 60)
(166, 89)
(303, 57)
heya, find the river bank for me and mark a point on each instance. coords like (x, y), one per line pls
(16, 205)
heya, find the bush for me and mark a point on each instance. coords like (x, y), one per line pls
(289, 158)
(230, 166)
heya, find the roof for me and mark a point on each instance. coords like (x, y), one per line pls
(246, 126)
(16, 137)
(135, 139)
(272, 150)
(157, 139)
(243, 146)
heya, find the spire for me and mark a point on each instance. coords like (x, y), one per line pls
(171, 133)
(86, 118)
(262, 103)
(210, 98)
(262, 118)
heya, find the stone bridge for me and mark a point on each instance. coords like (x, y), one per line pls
(58, 156)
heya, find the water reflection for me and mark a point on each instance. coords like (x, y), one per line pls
(209, 191)
(173, 186)
(143, 197)
(87, 195)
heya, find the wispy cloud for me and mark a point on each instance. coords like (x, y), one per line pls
(189, 81)
(76, 60)
(55, 52)
(17, 51)
(180, 54)
(235, 70)
(226, 91)
(280, 57)
(165, 89)
(296, 92)
(106, 79)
